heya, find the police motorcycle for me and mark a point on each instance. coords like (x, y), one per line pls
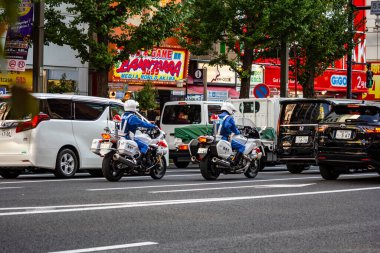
(122, 156)
(214, 154)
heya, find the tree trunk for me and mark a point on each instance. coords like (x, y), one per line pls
(308, 89)
(102, 82)
(247, 67)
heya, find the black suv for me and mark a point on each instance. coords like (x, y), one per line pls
(297, 126)
(349, 140)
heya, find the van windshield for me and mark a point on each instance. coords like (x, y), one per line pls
(181, 114)
(303, 112)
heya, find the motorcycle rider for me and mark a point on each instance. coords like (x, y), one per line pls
(130, 122)
(227, 127)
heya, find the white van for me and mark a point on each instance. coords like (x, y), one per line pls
(183, 113)
(58, 138)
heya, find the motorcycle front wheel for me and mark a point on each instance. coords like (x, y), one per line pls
(209, 170)
(112, 170)
(253, 169)
(159, 170)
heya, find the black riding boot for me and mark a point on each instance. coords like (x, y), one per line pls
(237, 158)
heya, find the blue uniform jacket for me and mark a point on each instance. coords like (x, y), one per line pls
(228, 126)
(133, 123)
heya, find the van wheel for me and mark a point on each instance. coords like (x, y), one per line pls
(180, 165)
(262, 163)
(10, 174)
(67, 164)
(328, 173)
(295, 169)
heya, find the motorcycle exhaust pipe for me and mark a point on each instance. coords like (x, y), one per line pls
(128, 162)
(193, 159)
(220, 162)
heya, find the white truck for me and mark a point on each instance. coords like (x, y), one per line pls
(264, 112)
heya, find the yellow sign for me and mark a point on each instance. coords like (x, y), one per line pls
(25, 79)
(374, 91)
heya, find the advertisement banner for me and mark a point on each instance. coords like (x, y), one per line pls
(159, 65)
(25, 79)
(18, 38)
(374, 91)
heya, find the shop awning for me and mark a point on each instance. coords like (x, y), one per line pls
(232, 93)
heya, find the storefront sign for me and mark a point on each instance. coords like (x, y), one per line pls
(219, 74)
(18, 38)
(160, 65)
(25, 79)
(374, 92)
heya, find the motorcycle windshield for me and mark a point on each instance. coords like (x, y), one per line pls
(244, 122)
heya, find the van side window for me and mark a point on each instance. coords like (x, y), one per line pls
(88, 111)
(249, 107)
(213, 109)
(58, 108)
(181, 114)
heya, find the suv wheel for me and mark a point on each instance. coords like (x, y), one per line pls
(295, 168)
(328, 173)
(180, 165)
(67, 164)
(10, 174)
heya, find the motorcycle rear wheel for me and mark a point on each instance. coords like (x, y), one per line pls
(253, 169)
(110, 168)
(158, 171)
(209, 170)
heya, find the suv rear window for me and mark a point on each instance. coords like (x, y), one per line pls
(353, 113)
(23, 112)
(181, 114)
(304, 113)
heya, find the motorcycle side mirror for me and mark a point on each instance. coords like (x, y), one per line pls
(116, 118)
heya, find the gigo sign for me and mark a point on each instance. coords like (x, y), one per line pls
(338, 80)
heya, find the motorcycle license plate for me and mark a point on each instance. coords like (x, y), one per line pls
(105, 145)
(202, 150)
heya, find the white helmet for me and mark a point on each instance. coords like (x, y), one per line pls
(228, 107)
(131, 105)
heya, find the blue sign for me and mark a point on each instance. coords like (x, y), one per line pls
(338, 81)
(3, 91)
(261, 91)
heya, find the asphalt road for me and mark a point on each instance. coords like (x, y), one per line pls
(275, 212)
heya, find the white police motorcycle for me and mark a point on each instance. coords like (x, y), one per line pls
(122, 156)
(214, 155)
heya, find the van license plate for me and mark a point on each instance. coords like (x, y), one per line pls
(202, 150)
(6, 133)
(343, 134)
(302, 139)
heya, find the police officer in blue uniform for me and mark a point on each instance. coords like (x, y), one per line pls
(228, 127)
(130, 122)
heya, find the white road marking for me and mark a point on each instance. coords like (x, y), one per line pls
(121, 246)
(6, 188)
(93, 207)
(196, 184)
(236, 187)
(89, 179)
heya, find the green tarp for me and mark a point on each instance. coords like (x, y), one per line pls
(190, 132)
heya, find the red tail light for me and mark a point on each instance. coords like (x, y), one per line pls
(33, 123)
(162, 144)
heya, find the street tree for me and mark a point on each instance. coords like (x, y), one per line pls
(93, 25)
(326, 42)
(253, 29)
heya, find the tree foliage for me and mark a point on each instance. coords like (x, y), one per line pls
(253, 29)
(147, 97)
(92, 25)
